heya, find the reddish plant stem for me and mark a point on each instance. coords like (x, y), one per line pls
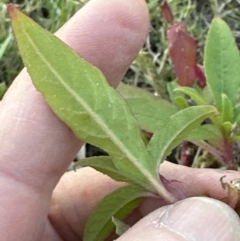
(186, 154)
(218, 154)
(228, 153)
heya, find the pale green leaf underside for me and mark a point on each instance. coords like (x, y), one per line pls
(177, 130)
(119, 204)
(80, 95)
(204, 132)
(207, 132)
(222, 63)
(150, 111)
(105, 165)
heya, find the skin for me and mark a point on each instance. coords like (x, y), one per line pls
(39, 201)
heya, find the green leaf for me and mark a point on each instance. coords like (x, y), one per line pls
(153, 4)
(119, 204)
(129, 92)
(121, 227)
(149, 110)
(222, 63)
(234, 138)
(4, 45)
(176, 97)
(171, 86)
(105, 165)
(176, 130)
(193, 94)
(80, 96)
(207, 95)
(207, 132)
(227, 128)
(227, 109)
(181, 102)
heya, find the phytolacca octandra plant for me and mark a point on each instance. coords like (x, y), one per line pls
(220, 87)
(101, 117)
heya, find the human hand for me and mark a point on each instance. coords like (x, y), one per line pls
(37, 147)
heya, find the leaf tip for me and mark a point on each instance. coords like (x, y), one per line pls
(218, 20)
(12, 9)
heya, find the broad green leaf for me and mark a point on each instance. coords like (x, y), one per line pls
(80, 95)
(121, 227)
(207, 132)
(125, 171)
(132, 92)
(132, 173)
(227, 109)
(222, 63)
(105, 165)
(119, 204)
(207, 95)
(149, 110)
(193, 94)
(177, 130)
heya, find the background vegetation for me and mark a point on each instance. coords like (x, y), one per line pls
(51, 14)
(153, 67)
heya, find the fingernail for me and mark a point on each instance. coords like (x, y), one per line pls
(195, 219)
(202, 219)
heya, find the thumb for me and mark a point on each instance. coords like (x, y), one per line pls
(196, 219)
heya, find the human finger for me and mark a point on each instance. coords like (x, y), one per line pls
(196, 219)
(69, 213)
(36, 146)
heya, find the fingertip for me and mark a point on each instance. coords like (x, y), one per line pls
(109, 35)
(198, 219)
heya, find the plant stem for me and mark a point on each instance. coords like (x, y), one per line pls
(228, 153)
(204, 145)
(165, 194)
(186, 154)
(196, 156)
(214, 5)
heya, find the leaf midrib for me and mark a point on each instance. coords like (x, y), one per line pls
(102, 125)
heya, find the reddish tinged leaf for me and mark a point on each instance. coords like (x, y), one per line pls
(183, 52)
(11, 9)
(167, 12)
(200, 76)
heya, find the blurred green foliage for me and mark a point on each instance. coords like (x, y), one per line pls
(153, 68)
(51, 14)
